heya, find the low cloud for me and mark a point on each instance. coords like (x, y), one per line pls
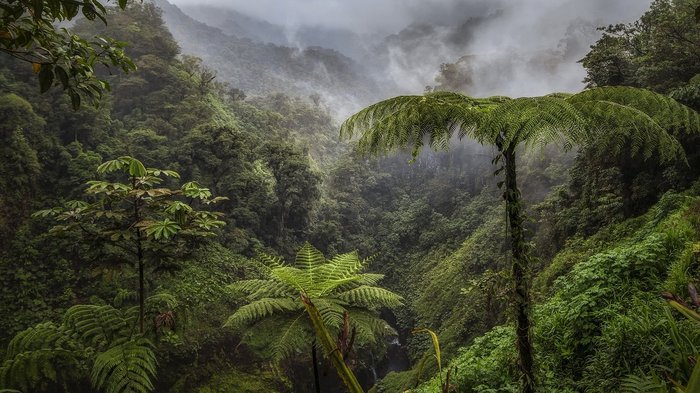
(506, 47)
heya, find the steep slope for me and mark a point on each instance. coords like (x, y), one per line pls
(237, 24)
(601, 321)
(258, 68)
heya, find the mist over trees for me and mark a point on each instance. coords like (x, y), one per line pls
(197, 223)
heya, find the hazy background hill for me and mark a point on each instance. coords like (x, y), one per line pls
(365, 51)
(257, 67)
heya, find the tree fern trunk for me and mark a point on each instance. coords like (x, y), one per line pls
(520, 272)
(331, 348)
(317, 380)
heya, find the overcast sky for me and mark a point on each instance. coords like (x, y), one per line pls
(355, 15)
(525, 47)
(392, 15)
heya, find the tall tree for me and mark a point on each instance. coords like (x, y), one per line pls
(139, 216)
(337, 299)
(659, 51)
(609, 119)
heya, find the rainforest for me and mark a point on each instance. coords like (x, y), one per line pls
(364, 196)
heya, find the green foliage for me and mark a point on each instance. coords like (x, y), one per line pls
(40, 356)
(482, 299)
(336, 287)
(164, 116)
(637, 117)
(437, 355)
(93, 341)
(604, 320)
(145, 210)
(243, 382)
(407, 121)
(58, 56)
(656, 52)
(127, 367)
(139, 216)
(395, 382)
(486, 366)
(646, 384)
(412, 121)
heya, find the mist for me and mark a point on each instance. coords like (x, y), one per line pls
(516, 48)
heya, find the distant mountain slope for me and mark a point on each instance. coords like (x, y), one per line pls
(234, 23)
(240, 25)
(259, 68)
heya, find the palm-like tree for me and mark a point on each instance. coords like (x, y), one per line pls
(609, 119)
(316, 299)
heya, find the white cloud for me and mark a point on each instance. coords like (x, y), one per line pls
(520, 48)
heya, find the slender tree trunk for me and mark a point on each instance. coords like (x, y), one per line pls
(317, 380)
(139, 257)
(141, 282)
(520, 272)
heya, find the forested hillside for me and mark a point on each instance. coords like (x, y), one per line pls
(213, 225)
(263, 67)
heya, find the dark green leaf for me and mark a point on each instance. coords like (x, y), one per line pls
(136, 168)
(46, 77)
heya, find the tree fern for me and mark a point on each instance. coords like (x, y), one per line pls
(336, 287)
(607, 119)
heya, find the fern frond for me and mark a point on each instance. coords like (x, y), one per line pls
(43, 335)
(624, 117)
(259, 309)
(414, 121)
(299, 279)
(331, 312)
(100, 326)
(643, 384)
(536, 121)
(370, 297)
(270, 261)
(295, 335)
(308, 259)
(125, 368)
(28, 371)
(368, 327)
(125, 296)
(665, 111)
(342, 266)
(162, 300)
(39, 355)
(370, 279)
(258, 289)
